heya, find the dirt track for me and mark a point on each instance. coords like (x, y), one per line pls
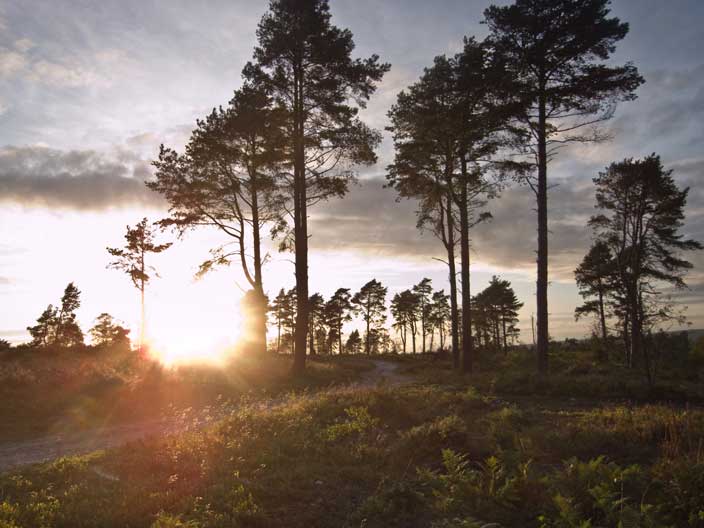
(15, 454)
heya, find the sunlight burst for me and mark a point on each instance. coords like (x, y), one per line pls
(186, 345)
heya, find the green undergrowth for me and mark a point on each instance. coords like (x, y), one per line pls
(574, 375)
(411, 456)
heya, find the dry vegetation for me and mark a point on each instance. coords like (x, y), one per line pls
(423, 454)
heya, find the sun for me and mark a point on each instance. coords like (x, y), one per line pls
(176, 345)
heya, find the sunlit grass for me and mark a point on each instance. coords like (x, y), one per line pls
(383, 457)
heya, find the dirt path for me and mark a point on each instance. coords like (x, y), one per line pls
(16, 454)
(384, 373)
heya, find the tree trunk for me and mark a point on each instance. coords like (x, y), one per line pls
(260, 310)
(142, 319)
(300, 230)
(604, 356)
(143, 313)
(339, 338)
(454, 319)
(542, 283)
(467, 348)
(503, 332)
(311, 338)
(422, 326)
(627, 340)
(367, 340)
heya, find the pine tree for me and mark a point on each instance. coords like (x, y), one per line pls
(106, 332)
(423, 291)
(44, 331)
(132, 259)
(594, 277)
(354, 343)
(316, 304)
(305, 62)
(336, 313)
(405, 309)
(369, 302)
(642, 215)
(557, 52)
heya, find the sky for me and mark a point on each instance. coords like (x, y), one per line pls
(89, 89)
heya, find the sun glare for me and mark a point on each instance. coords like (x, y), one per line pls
(188, 345)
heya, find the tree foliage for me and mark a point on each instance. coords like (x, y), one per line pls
(132, 260)
(370, 303)
(106, 332)
(306, 63)
(57, 326)
(642, 215)
(557, 53)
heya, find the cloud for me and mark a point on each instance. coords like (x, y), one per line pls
(24, 44)
(11, 62)
(78, 179)
(370, 220)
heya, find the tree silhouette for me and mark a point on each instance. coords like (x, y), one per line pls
(556, 51)
(227, 179)
(336, 313)
(106, 332)
(423, 291)
(426, 137)
(354, 343)
(44, 331)
(316, 305)
(643, 212)
(482, 119)
(370, 303)
(594, 277)
(305, 61)
(446, 130)
(440, 315)
(496, 309)
(68, 333)
(288, 319)
(132, 259)
(57, 326)
(405, 309)
(278, 309)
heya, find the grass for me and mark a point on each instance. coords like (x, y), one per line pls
(444, 451)
(574, 375)
(59, 392)
(428, 454)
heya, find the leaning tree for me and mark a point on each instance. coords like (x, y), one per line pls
(226, 179)
(306, 62)
(556, 51)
